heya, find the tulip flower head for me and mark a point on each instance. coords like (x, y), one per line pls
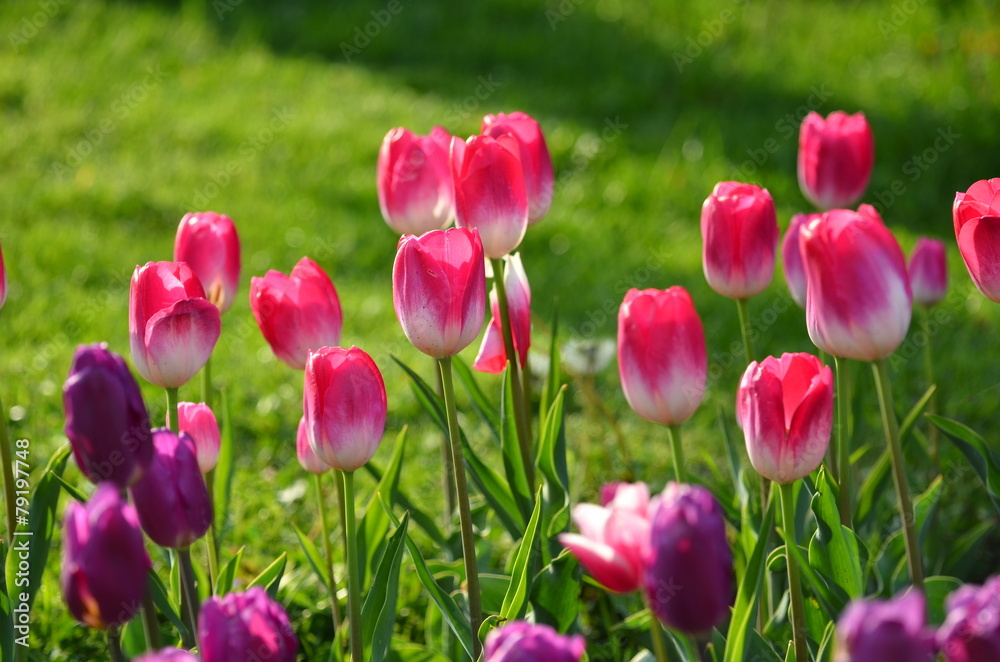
(245, 626)
(208, 243)
(791, 257)
(971, 631)
(415, 190)
(199, 422)
(518, 641)
(169, 655)
(835, 158)
(492, 356)
(303, 450)
(535, 158)
(976, 214)
(879, 630)
(928, 269)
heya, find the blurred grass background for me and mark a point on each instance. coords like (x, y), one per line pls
(117, 117)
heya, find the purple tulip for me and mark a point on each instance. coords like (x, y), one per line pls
(245, 626)
(519, 641)
(971, 632)
(169, 655)
(880, 630)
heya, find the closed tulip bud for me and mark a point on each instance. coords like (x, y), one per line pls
(344, 406)
(689, 574)
(880, 630)
(971, 631)
(739, 230)
(791, 257)
(661, 354)
(439, 290)
(199, 422)
(298, 312)
(415, 191)
(492, 357)
(174, 506)
(208, 243)
(977, 228)
(928, 270)
(519, 641)
(835, 158)
(245, 626)
(106, 419)
(3, 281)
(105, 567)
(785, 408)
(538, 177)
(169, 655)
(307, 456)
(490, 193)
(859, 299)
(172, 327)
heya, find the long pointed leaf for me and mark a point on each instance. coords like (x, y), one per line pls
(513, 463)
(515, 602)
(975, 450)
(223, 476)
(486, 410)
(378, 615)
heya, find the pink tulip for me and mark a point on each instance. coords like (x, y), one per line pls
(492, 356)
(490, 192)
(835, 158)
(439, 290)
(613, 542)
(415, 191)
(535, 158)
(307, 456)
(172, 327)
(795, 274)
(199, 422)
(859, 299)
(977, 228)
(928, 269)
(661, 354)
(344, 406)
(785, 408)
(740, 232)
(209, 244)
(298, 312)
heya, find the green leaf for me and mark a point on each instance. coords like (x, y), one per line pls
(826, 643)
(834, 548)
(962, 553)
(374, 524)
(493, 587)
(892, 559)
(936, 590)
(552, 464)
(513, 463)
(133, 638)
(6, 611)
(487, 412)
(553, 381)
(426, 396)
(911, 417)
(515, 602)
(829, 594)
(165, 605)
(227, 574)
(555, 593)
(873, 486)
(976, 451)
(270, 577)
(404, 650)
(418, 516)
(224, 468)
(378, 615)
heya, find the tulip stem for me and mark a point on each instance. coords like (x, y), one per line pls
(8, 478)
(353, 568)
(891, 427)
(173, 418)
(464, 512)
(659, 640)
(449, 469)
(206, 383)
(115, 645)
(677, 450)
(794, 585)
(843, 472)
(210, 541)
(331, 582)
(188, 591)
(150, 625)
(744, 309)
(925, 325)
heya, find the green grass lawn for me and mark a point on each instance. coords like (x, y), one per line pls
(116, 118)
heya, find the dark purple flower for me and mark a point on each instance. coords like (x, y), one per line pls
(519, 641)
(881, 630)
(971, 632)
(245, 626)
(169, 655)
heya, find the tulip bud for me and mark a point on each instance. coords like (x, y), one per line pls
(519, 641)
(208, 243)
(106, 419)
(977, 228)
(245, 626)
(785, 408)
(344, 406)
(169, 655)
(928, 271)
(835, 158)
(859, 299)
(439, 290)
(538, 177)
(307, 457)
(490, 193)
(105, 567)
(174, 506)
(661, 354)
(298, 312)
(880, 630)
(3, 281)
(415, 191)
(172, 327)
(971, 631)
(795, 274)
(199, 422)
(492, 357)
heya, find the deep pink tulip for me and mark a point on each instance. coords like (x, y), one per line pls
(169, 655)
(785, 408)
(739, 230)
(971, 632)
(307, 456)
(977, 228)
(928, 269)
(859, 299)
(172, 327)
(298, 312)
(208, 243)
(492, 356)
(105, 567)
(439, 290)
(415, 190)
(519, 641)
(3, 281)
(791, 257)
(490, 193)
(344, 406)
(661, 354)
(880, 630)
(245, 626)
(535, 158)
(835, 158)
(198, 421)
(613, 543)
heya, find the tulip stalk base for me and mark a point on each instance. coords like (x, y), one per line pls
(677, 451)
(449, 468)
(794, 583)
(114, 645)
(353, 568)
(150, 626)
(843, 463)
(658, 637)
(331, 583)
(210, 541)
(189, 591)
(8, 477)
(743, 307)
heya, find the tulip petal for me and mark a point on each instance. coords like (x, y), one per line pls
(603, 563)
(180, 339)
(979, 243)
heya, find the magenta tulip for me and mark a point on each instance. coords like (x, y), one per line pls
(739, 230)
(928, 269)
(977, 228)
(490, 193)
(492, 357)
(169, 655)
(208, 243)
(245, 626)
(971, 631)
(172, 327)
(880, 630)
(795, 274)
(785, 408)
(519, 641)
(199, 422)
(835, 158)
(298, 312)
(538, 177)
(859, 300)
(307, 456)
(439, 290)
(661, 354)
(415, 190)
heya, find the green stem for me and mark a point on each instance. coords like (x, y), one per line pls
(464, 512)
(744, 310)
(891, 427)
(331, 582)
(677, 450)
(206, 383)
(794, 586)
(173, 418)
(210, 541)
(115, 645)
(449, 469)
(659, 640)
(925, 323)
(353, 569)
(189, 591)
(843, 444)
(149, 623)
(6, 457)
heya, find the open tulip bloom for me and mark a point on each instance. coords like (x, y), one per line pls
(208, 243)
(415, 190)
(538, 177)
(976, 215)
